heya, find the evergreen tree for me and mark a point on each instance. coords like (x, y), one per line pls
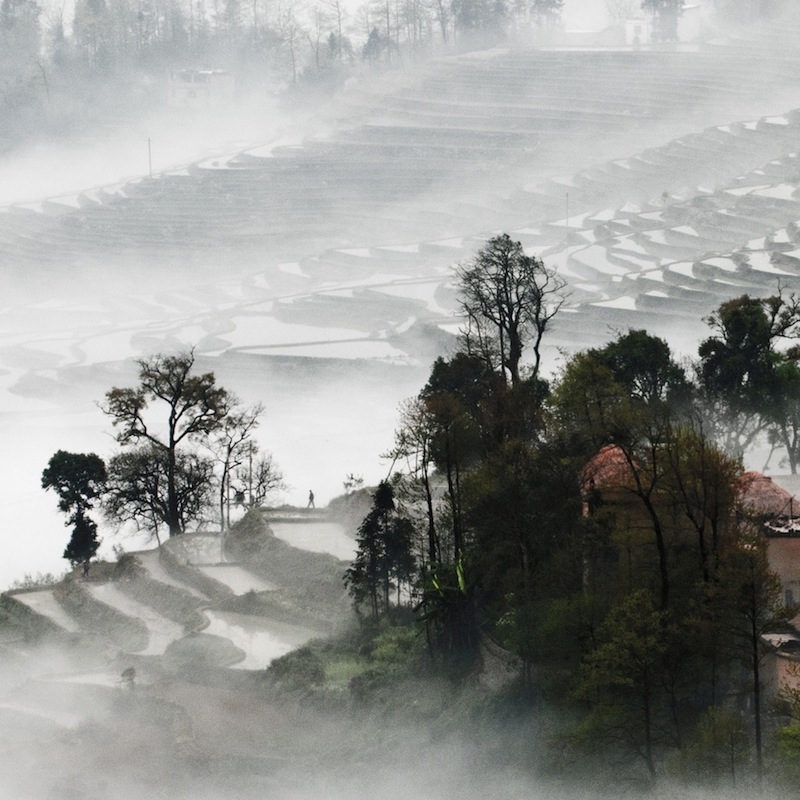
(384, 559)
(78, 479)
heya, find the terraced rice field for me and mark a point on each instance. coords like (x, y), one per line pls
(316, 276)
(355, 228)
(259, 638)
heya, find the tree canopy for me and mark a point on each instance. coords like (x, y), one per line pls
(508, 300)
(78, 479)
(592, 523)
(748, 375)
(169, 407)
(184, 440)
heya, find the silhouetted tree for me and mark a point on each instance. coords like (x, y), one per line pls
(509, 300)
(373, 47)
(384, 558)
(747, 383)
(258, 476)
(187, 408)
(644, 366)
(232, 443)
(142, 490)
(78, 479)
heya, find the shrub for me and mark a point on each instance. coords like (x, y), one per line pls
(300, 670)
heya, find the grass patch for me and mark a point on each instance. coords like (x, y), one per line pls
(340, 671)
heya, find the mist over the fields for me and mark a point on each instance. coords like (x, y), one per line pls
(328, 297)
(354, 270)
(303, 245)
(94, 738)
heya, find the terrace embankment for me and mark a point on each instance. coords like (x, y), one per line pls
(138, 626)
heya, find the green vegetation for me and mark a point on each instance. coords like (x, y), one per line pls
(593, 526)
(572, 554)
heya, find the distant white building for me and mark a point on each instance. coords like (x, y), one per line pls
(639, 29)
(200, 87)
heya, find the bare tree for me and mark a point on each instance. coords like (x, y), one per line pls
(509, 299)
(290, 32)
(338, 13)
(231, 444)
(260, 475)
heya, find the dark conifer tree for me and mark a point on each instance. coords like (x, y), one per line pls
(78, 479)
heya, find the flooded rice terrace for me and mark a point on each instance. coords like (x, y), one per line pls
(322, 537)
(260, 640)
(311, 270)
(308, 262)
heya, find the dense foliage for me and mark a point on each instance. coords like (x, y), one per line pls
(593, 525)
(78, 479)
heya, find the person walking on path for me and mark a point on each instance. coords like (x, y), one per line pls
(311, 499)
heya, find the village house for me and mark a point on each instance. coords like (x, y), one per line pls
(200, 88)
(608, 488)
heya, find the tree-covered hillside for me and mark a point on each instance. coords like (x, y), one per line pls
(598, 524)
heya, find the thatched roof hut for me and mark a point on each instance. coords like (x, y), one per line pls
(609, 469)
(758, 496)
(761, 496)
(607, 478)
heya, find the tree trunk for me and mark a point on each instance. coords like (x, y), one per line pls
(514, 356)
(433, 547)
(756, 689)
(648, 732)
(173, 515)
(660, 547)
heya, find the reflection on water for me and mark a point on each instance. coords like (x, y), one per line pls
(239, 580)
(318, 537)
(44, 602)
(261, 639)
(160, 630)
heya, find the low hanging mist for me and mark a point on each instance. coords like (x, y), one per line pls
(299, 233)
